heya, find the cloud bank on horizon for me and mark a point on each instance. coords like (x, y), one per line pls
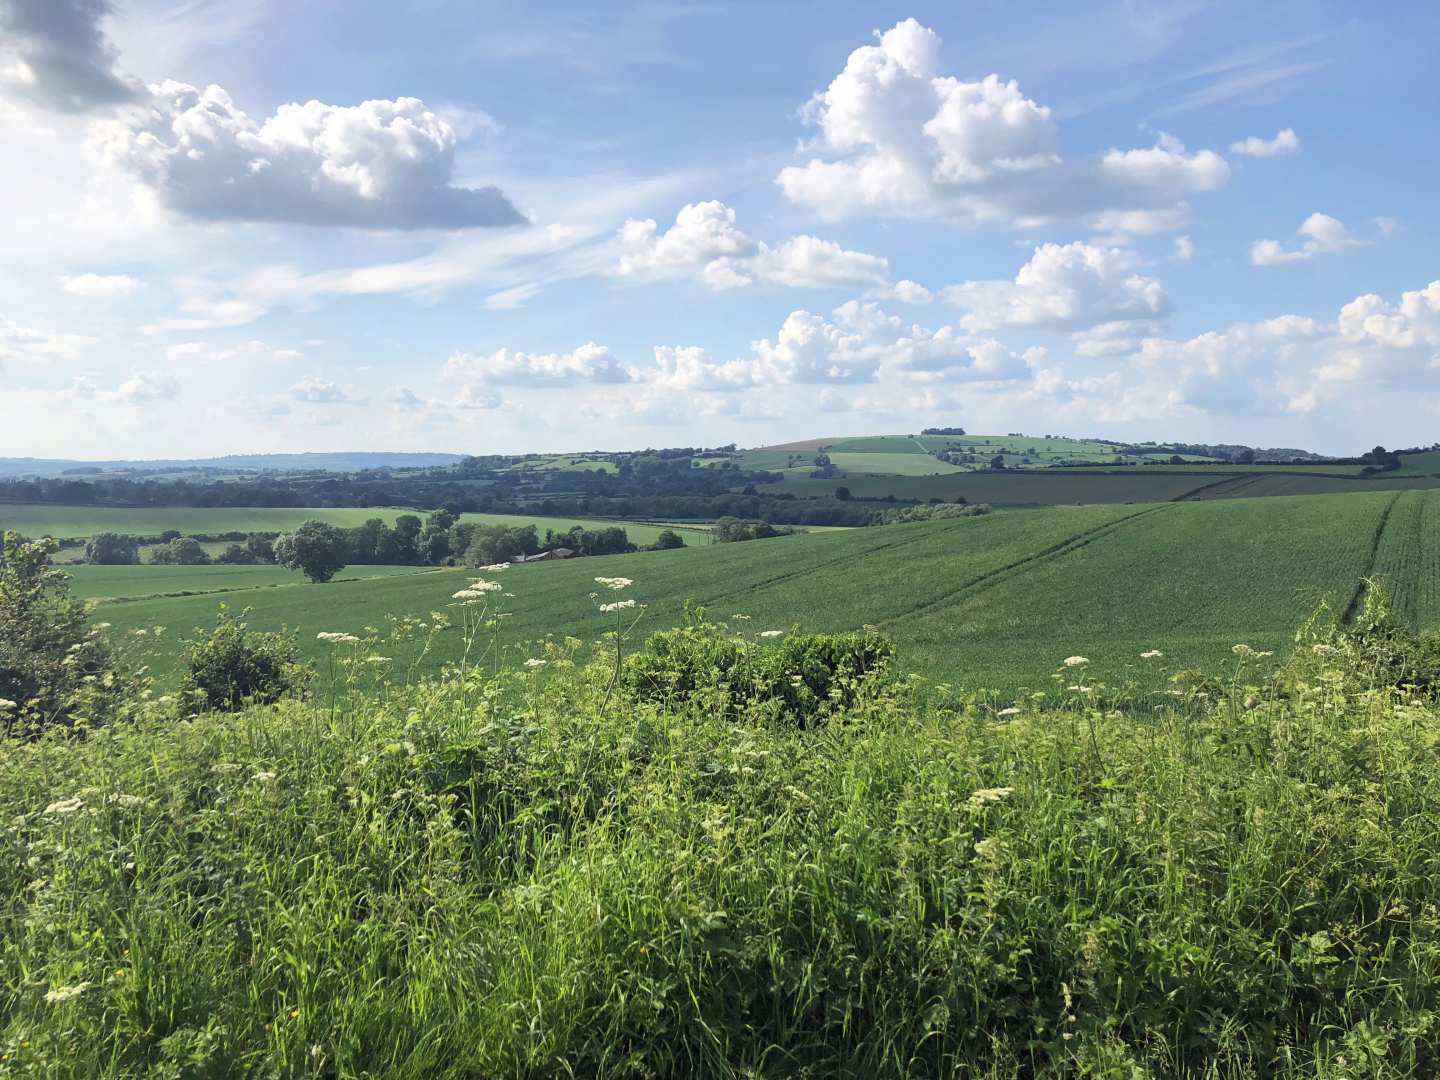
(616, 233)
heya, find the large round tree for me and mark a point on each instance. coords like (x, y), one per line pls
(315, 548)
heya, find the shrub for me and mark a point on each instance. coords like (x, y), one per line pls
(53, 667)
(669, 539)
(233, 666)
(800, 681)
(235, 555)
(935, 512)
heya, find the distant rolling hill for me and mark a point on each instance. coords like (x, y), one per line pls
(990, 602)
(336, 462)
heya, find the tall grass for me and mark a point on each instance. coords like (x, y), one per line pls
(495, 875)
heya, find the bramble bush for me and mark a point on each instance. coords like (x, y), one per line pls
(232, 666)
(799, 680)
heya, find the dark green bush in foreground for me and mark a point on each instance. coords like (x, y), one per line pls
(232, 666)
(801, 679)
(524, 876)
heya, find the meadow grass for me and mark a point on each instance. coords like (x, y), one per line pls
(101, 583)
(522, 875)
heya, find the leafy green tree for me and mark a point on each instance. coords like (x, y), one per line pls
(669, 539)
(843, 493)
(112, 549)
(235, 555)
(407, 538)
(262, 547)
(186, 551)
(48, 653)
(316, 549)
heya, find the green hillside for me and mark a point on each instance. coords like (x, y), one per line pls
(994, 601)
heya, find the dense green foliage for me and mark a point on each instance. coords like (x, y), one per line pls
(112, 549)
(316, 549)
(54, 669)
(232, 666)
(524, 876)
(801, 681)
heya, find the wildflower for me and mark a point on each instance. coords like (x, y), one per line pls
(264, 776)
(124, 801)
(535, 663)
(1244, 651)
(614, 582)
(377, 659)
(336, 638)
(991, 794)
(619, 605)
(1076, 661)
(1318, 650)
(141, 632)
(102, 626)
(1012, 711)
(64, 806)
(742, 618)
(6, 705)
(65, 993)
(771, 633)
(990, 848)
(1077, 688)
(494, 568)
(1152, 654)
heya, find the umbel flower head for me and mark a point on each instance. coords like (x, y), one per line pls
(616, 583)
(1076, 661)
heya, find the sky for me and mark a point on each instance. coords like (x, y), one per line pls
(487, 227)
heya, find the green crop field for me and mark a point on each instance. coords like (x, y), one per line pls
(989, 602)
(103, 583)
(1424, 464)
(1066, 487)
(33, 519)
(886, 464)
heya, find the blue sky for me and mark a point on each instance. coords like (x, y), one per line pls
(498, 227)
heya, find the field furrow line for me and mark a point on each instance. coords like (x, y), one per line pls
(1353, 607)
(750, 586)
(993, 577)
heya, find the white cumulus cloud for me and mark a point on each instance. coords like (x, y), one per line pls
(380, 164)
(905, 140)
(1062, 286)
(1324, 235)
(706, 243)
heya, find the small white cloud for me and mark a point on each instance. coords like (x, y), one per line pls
(514, 297)
(590, 363)
(1184, 249)
(314, 390)
(142, 388)
(28, 345)
(101, 284)
(1284, 142)
(706, 243)
(1324, 235)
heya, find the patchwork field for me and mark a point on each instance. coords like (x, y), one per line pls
(992, 602)
(100, 584)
